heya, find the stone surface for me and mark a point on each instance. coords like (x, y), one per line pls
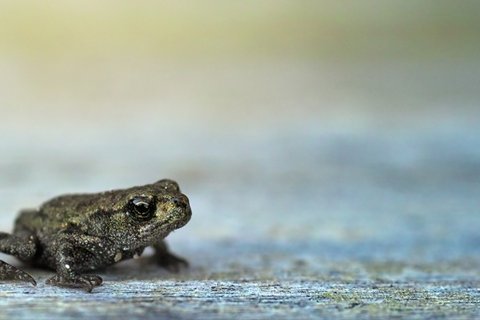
(298, 225)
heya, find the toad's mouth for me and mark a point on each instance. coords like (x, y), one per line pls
(161, 228)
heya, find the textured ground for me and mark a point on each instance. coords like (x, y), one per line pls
(286, 225)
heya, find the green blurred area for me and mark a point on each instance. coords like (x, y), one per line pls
(223, 63)
(313, 29)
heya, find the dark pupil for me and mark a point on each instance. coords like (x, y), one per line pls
(141, 206)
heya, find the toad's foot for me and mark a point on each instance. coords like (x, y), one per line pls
(171, 262)
(11, 273)
(85, 281)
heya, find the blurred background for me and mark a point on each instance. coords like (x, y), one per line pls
(351, 126)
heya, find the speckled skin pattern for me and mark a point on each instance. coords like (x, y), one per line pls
(75, 234)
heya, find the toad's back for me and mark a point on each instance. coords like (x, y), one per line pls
(59, 212)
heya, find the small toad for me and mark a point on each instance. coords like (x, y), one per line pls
(76, 234)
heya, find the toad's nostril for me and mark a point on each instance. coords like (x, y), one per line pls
(180, 201)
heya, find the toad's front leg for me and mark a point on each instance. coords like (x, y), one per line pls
(168, 260)
(74, 255)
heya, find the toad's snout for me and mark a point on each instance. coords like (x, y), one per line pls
(181, 201)
(182, 207)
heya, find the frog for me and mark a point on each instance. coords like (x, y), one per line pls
(76, 234)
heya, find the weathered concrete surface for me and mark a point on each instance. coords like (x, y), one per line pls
(298, 225)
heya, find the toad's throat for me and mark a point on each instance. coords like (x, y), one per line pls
(158, 231)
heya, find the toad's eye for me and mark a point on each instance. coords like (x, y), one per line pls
(142, 208)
